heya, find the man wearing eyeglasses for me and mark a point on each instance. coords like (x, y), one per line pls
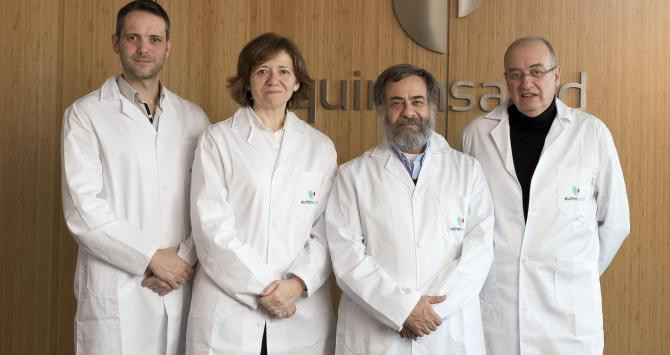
(561, 211)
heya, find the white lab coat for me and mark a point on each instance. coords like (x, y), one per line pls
(125, 193)
(255, 221)
(392, 241)
(543, 293)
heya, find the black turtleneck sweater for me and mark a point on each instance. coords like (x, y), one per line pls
(527, 135)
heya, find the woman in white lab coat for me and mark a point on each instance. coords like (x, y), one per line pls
(260, 184)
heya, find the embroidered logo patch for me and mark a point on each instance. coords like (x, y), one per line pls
(311, 198)
(459, 227)
(576, 194)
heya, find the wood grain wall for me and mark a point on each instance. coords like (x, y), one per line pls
(56, 51)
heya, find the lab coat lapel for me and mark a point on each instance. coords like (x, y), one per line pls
(294, 129)
(110, 92)
(393, 164)
(242, 122)
(563, 118)
(168, 120)
(438, 146)
(501, 138)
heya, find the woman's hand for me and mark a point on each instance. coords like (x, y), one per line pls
(278, 298)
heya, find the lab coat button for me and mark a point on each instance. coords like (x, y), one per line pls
(259, 323)
(164, 187)
(419, 244)
(524, 259)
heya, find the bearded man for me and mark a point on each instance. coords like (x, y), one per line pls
(410, 232)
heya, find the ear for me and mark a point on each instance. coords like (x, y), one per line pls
(115, 43)
(168, 44)
(296, 87)
(557, 75)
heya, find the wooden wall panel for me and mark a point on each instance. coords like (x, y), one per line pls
(57, 51)
(623, 47)
(30, 202)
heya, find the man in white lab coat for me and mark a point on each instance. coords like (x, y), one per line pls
(410, 226)
(126, 155)
(561, 211)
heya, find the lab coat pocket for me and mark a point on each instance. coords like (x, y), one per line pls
(574, 188)
(363, 334)
(98, 309)
(453, 216)
(307, 193)
(577, 286)
(199, 335)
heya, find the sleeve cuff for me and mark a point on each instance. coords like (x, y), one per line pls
(308, 291)
(404, 310)
(187, 252)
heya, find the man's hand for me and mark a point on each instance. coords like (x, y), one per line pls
(407, 334)
(279, 297)
(170, 268)
(423, 320)
(157, 285)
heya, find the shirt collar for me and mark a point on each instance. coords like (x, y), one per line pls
(413, 168)
(259, 124)
(133, 96)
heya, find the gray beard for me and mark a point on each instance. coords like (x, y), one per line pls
(405, 139)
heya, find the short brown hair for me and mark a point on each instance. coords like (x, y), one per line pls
(149, 6)
(257, 52)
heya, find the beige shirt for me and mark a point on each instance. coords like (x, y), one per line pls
(133, 96)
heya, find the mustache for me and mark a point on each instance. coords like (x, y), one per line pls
(142, 57)
(401, 121)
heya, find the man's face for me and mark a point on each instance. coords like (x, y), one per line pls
(532, 95)
(142, 46)
(409, 119)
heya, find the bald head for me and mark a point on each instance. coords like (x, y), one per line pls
(524, 41)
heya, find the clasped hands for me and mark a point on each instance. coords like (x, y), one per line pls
(422, 320)
(168, 271)
(279, 297)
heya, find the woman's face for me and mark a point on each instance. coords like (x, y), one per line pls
(273, 82)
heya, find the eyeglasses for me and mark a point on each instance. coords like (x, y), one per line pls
(535, 73)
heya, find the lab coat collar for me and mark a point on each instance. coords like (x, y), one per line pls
(242, 122)
(501, 132)
(244, 116)
(110, 92)
(437, 145)
(564, 113)
(500, 135)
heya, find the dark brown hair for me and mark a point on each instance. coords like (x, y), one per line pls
(401, 71)
(149, 6)
(259, 51)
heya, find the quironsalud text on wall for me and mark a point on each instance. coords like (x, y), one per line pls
(461, 91)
